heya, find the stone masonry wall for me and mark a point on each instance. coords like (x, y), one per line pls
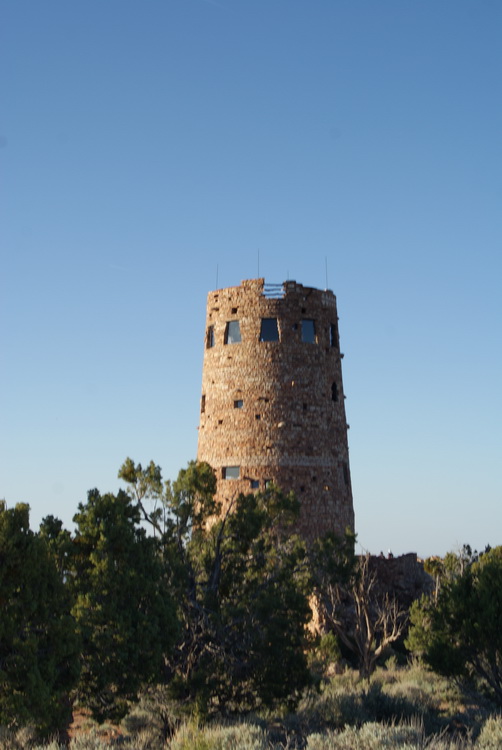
(273, 410)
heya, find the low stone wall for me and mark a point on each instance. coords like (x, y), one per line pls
(401, 577)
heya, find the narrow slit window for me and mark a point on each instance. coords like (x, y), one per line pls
(346, 474)
(333, 335)
(210, 337)
(308, 331)
(269, 329)
(231, 472)
(203, 404)
(232, 332)
(238, 403)
(334, 392)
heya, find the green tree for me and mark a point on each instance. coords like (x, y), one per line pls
(39, 648)
(241, 582)
(458, 633)
(453, 564)
(125, 615)
(59, 543)
(177, 508)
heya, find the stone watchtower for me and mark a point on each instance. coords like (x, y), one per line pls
(272, 407)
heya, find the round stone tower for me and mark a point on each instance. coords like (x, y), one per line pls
(272, 406)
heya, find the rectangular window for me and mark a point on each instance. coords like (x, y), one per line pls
(254, 484)
(232, 332)
(268, 484)
(238, 404)
(308, 331)
(333, 335)
(231, 472)
(210, 337)
(269, 330)
(203, 404)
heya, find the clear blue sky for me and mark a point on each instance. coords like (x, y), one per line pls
(146, 144)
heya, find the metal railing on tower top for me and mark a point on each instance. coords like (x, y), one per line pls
(273, 291)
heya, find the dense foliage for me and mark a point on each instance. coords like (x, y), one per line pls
(39, 646)
(158, 586)
(155, 585)
(458, 631)
(122, 605)
(242, 589)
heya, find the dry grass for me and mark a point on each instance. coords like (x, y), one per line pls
(407, 708)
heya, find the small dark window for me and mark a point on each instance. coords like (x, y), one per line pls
(269, 330)
(232, 332)
(257, 416)
(308, 331)
(210, 337)
(254, 484)
(234, 311)
(268, 484)
(203, 404)
(333, 335)
(346, 474)
(231, 472)
(334, 392)
(305, 407)
(238, 404)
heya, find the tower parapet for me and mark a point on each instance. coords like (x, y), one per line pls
(272, 405)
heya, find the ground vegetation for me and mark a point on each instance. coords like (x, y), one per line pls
(409, 708)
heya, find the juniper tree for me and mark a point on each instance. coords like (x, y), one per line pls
(39, 648)
(458, 632)
(241, 581)
(123, 608)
